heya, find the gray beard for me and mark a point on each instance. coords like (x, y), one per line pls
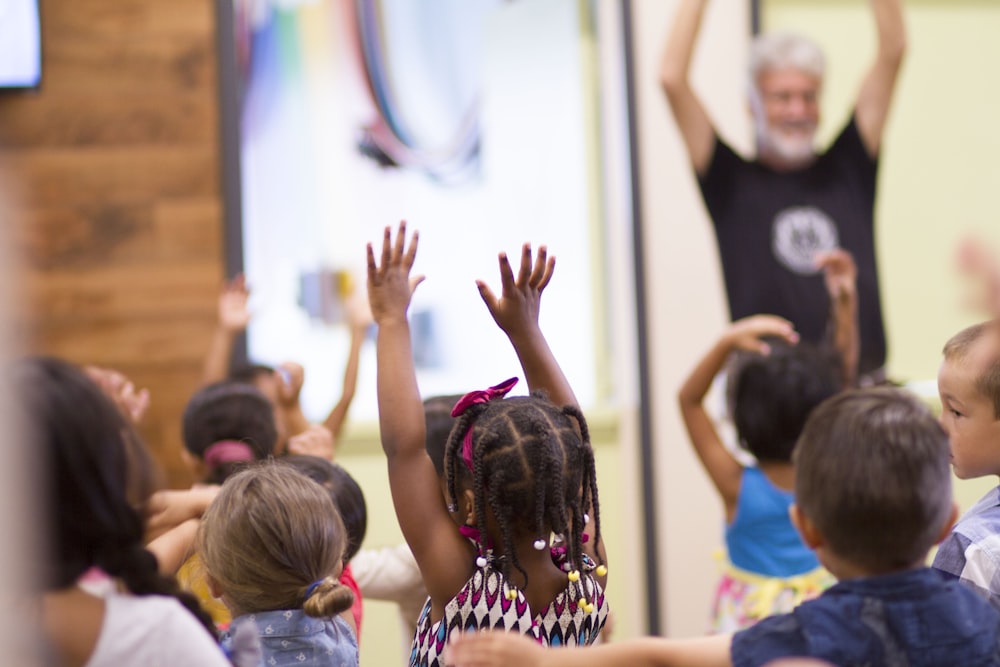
(791, 153)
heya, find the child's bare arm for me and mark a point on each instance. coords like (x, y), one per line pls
(233, 317)
(516, 313)
(498, 649)
(724, 470)
(841, 277)
(174, 547)
(443, 555)
(168, 509)
(359, 319)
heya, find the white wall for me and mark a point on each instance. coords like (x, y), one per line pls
(685, 296)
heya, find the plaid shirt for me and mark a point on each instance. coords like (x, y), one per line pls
(971, 553)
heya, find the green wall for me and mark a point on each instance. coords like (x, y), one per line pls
(940, 172)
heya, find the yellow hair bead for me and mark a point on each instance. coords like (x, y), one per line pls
(582, 604)
(601, 571)
(589, 609)
(574, 575)
(511, 594)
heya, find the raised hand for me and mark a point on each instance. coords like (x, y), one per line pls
(359, 314)
(390, 285)
(234, 316)
(840, 273)
(748, 333)
(291, 377)
(517, 308)
(982, 267)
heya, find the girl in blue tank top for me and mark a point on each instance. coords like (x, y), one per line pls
(775, 385)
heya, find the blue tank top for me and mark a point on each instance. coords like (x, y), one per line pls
(761, 539)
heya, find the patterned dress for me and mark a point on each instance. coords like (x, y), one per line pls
(482, 604)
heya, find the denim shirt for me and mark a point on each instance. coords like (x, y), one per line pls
(907, 619)
(290, 637)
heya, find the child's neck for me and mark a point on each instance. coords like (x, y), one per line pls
(843, 569)
(779, 473)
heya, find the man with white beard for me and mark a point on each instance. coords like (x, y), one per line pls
(774, 213)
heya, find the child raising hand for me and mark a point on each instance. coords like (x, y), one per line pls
(507, 548)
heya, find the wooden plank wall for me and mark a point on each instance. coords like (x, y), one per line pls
(113, 197)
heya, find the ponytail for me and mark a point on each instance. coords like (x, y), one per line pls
(327, 597)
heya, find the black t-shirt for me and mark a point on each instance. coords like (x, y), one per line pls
(769, 224)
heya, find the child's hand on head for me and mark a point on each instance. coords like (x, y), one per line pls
(315, 441)
(390, 285)
(840, 273)
(131, 402)
(520, 298)
(234, 316)
(493, 649)
(748, 333)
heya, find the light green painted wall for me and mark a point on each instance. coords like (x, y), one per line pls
(940, 172)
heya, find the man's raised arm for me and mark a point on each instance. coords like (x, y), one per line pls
(675, 65)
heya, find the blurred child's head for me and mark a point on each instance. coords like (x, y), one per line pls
(872, 485)
(774, 394)
(344, 491)
(96, 473)
(528, 470)
(269, 535)
(225, 426)
(95, 479)
(439, 422)
(969, 386)
(268, 380)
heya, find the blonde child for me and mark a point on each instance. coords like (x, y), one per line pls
(518, 471)
(272, 544)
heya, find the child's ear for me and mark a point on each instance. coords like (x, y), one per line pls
(467, 507)
(807, 529)
(949, 524)
(213, 586)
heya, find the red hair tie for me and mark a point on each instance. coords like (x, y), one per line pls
(476, 398)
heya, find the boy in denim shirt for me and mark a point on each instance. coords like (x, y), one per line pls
(969, 385)
(873, 495)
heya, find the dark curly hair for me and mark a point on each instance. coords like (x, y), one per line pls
(229, 410)
(775, 393)
(533, 467)
(345, 492)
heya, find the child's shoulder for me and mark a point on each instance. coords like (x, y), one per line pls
(982, 519)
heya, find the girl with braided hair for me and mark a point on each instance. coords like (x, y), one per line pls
(104, 603)
(515, 542)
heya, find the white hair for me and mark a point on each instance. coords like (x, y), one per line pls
(782, 50)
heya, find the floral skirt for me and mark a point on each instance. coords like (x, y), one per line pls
(742, 598)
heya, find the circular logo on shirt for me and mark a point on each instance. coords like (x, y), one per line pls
(798, 234)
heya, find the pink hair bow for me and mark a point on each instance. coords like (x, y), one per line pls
(474, 398)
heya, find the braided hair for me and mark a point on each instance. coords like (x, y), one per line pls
(96, 477)
(532, 467)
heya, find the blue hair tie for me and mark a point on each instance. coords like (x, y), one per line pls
(312, 588)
